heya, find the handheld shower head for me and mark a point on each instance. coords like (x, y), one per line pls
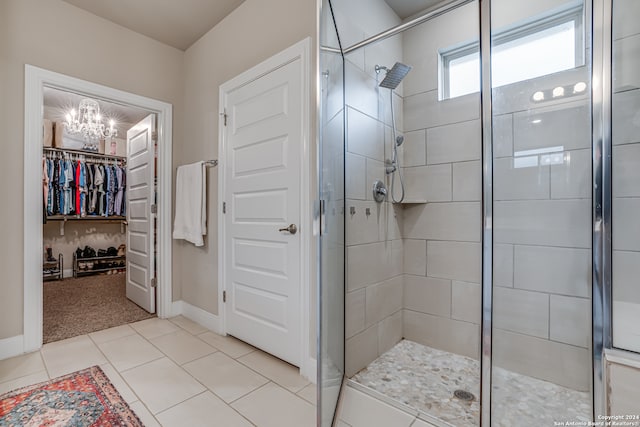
(399, 140)
(394, 75)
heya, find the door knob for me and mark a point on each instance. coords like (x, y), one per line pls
(291, 229)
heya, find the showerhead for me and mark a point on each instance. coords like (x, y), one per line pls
(394, 75)
(399, 140)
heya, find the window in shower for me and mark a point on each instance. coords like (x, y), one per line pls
(536, 48)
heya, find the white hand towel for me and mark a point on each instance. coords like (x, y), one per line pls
(190, 222)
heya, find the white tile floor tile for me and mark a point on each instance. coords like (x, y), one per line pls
(360, 410)
(128, 352)
(105, 335)
(19, 366)
(188, 325)
(309, 393)
(274, 406)
(162, 384)
(229, 345)
(278, 371)
(154, 327)
(224, 376)
(204, 409)
(10, 385)
(73, 354)
(182, 347)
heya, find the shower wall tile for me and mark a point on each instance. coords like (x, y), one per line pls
(415, 148)
(564, 223)
(383, 299)
(365, 135)
(356, 174)
(572, 179)
(521, 311)
(511, 182)
(422, 43)
(626, 270)
(360, 227)
(570, 320)
(361, 90)
(626, 117)
(467, 181)
(626, 63)
(625, 14)
(503, 265)
(626, 233)
(415, 257)
(623, 383)
(563, 271)
(360, 350)
(424, 111)
(558, 363)
(389, 332)
(517, 97)
(427, 295)
(442, 333)
(454, 260)
(371, 263)
(354, 309)
(428, 183)
(557, 126)
(459, 221)
(394, 216)
(454, 143)
(466, 301)
(626, 173)
(503, 136)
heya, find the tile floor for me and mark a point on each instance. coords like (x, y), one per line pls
(177, 373)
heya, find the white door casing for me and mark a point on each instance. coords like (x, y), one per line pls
(263, 152)
(35, 81)
(140, 198)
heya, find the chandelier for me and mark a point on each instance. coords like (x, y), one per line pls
(87, 122)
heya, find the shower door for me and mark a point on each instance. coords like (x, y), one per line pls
(542, 204)
(331, 279)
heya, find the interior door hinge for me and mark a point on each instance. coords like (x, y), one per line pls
(154, 283)
(154, 136)
(154, 209)
(224, 296)
(224, 115)
(224, 207)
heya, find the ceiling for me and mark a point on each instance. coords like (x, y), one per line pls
(58, 103)
(172, 22)
(406, 8)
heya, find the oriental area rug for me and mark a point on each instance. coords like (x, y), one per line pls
(80, 399)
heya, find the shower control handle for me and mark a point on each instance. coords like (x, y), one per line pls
(291, 229)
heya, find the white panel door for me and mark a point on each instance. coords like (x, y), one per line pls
(264, 136)
(140, 198)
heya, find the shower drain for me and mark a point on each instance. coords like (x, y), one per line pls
(464, 395)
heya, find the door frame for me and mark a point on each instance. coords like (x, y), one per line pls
(35, 80)
(300, 50)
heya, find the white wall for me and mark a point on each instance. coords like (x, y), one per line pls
(252, 33)
(49, 34)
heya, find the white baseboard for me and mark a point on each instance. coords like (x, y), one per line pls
(198, 315)
(10, 347)
(309, 370)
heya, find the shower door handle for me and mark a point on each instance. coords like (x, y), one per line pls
(291, 229)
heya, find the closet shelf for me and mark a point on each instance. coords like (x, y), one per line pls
(86, 218)
(92, 154)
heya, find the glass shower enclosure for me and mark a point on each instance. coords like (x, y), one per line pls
(476, 215)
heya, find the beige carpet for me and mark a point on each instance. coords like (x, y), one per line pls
(79, 306)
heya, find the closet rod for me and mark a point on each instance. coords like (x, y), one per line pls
(85, 153)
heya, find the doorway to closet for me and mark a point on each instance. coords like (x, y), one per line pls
(106, 233)
(98, 234)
